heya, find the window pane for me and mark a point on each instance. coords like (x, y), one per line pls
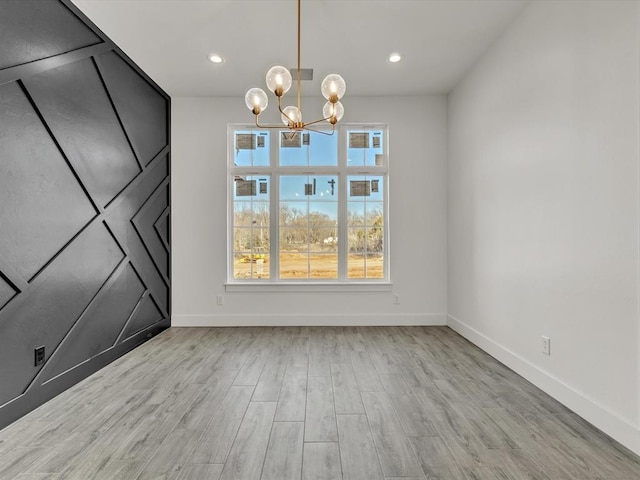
(294, 265)
(323, 214)
(316, 188)
(375, 214)
(308, 149)
(293, 187)
(293, 239)
(323, 240)
(377, 186)
(356, 240)
(355, 266)
(246, 214)
(323, 265)
(252, 239)
(355, 213)
(324, 188)
(366, 253)
(362, 188)
(251, 148)
(365, 148)
(250, 265)
(247, 188)
(293, 214)
(375, 240)
(375, 253)
(365, 207)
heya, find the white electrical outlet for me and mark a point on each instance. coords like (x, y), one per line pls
(220, 300)
(396, 298)
(546, 345)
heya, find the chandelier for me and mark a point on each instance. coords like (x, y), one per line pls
(279, 82)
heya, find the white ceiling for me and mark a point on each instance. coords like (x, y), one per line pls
(171, 40)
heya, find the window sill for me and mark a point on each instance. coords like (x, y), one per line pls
(309, 287)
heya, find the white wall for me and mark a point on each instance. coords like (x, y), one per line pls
(417, 129)
(543, 206)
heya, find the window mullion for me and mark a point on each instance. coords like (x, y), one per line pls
(274, 209)
(342, 206)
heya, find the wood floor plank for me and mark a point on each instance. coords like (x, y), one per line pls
(293, 395)
(248, 451)
(25, 432)
(120, 470)
(357, 452)
(520, 465)
(485, 429)
(151, 431)
(199, 414)
(320, 418)
(215, 443)
(486, 473)
(283, 460)
(299, 352)
(405, 478)
(202, 471)
(270, 382)
(321, 461)
(394, 450)
(38, 476)
(172, 455)
(366, 374)
(19, 460)
(394, 383)
(250, 372)
(433, 455)
(459, 438)
(345, 389)
(413, 417)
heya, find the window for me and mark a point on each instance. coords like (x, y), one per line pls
(308, 207)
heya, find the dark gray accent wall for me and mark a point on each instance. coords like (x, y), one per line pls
(84, 202)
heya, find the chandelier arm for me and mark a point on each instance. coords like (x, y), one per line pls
(317, 121)
(333, 129)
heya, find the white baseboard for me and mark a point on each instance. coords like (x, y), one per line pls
(618, 428)
(285, 320)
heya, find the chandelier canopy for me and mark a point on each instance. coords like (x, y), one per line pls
(279, 81)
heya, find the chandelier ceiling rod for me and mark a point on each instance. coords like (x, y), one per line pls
(279, 82)
(299, 15)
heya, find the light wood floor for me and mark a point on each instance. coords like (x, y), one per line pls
(308, 403)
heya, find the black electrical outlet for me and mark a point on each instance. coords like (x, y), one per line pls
(39, 356)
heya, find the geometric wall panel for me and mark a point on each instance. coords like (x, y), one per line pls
(120, 218)
(140, 106)
(6, 292)
(36, 184)
(144, 222)
(84, 202)
(91, 138)
(146, 314)
(163, 227)
(99, 326)
(56, 300)
(39, 29)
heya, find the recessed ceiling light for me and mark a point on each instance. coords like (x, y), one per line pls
(216, 58)
(394, 57)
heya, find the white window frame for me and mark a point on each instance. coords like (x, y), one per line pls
(275, 171)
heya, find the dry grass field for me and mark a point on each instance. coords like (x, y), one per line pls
(321, 265)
